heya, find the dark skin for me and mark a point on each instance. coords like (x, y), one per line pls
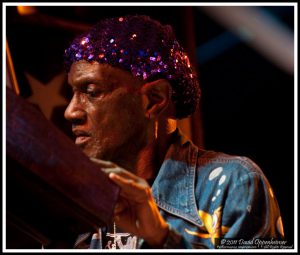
(123, 124)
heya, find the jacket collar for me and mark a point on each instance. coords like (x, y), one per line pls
(173, 188)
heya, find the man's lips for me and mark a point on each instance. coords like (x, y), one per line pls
(81, 137)
(80, 140)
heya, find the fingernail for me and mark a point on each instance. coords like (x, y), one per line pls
(112, 175)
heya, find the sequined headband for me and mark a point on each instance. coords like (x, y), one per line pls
(127, 43)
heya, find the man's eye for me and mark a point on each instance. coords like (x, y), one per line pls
(92, 90)
(92, 93)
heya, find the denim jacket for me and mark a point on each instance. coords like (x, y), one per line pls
(206, 195)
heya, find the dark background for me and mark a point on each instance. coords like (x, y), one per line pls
(247, 102)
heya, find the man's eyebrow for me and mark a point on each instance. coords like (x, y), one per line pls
(96, 81)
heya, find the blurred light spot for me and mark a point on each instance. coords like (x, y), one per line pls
(270, 37)
(26, 10)
(245, 33)
(216, 47)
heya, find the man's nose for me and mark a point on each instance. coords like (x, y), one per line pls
(75, 112)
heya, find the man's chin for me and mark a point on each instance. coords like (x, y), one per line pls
(92, 151)
(92, 154)
(89, 153)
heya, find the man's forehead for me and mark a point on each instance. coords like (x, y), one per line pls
(83, 70)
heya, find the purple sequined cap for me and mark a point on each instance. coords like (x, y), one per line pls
(145, 48)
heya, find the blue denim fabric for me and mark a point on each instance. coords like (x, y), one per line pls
(206, 195)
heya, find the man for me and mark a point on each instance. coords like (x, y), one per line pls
(131, 81)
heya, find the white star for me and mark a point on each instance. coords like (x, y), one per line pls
(47, 96)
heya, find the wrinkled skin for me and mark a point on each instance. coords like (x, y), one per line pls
(109, 117)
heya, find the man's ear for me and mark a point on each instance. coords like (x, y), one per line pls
(157, 96)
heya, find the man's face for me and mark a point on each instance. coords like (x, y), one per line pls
(106, 111)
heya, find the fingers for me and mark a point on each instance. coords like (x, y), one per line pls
(110, 167)
(123, 182)
(134, 190)
(132, 187)
(103, 163)
(121, 173)
(136, 211)
(116, 170)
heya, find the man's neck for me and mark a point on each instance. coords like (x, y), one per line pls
(147, 161)
(152, 156)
